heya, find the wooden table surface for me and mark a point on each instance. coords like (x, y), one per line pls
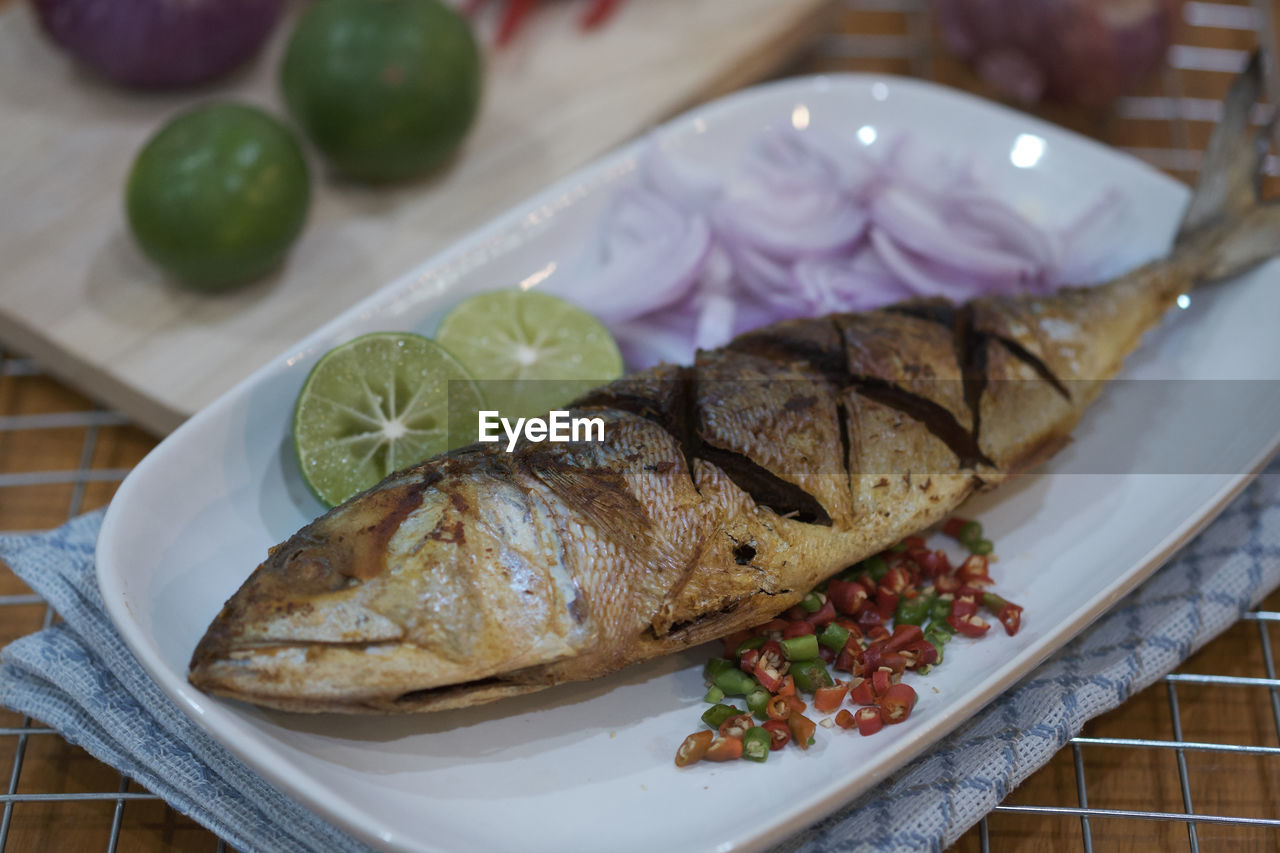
(61, 455)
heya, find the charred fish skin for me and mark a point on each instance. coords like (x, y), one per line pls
(725, 491)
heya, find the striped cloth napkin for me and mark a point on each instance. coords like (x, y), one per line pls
(79, 678)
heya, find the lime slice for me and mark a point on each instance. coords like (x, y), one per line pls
(530, 351)
(375, 405)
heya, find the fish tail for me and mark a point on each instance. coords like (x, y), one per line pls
(1227, 228)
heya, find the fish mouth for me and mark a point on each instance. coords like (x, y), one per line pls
(341, 677)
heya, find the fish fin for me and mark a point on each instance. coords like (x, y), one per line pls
(1227, 228)
(1230, 175)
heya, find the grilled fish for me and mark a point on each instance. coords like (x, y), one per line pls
(724, 492)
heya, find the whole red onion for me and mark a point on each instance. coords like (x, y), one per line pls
(153, 44)
(1078, 51)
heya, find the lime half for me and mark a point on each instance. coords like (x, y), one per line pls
(375, 405)
(530, 352)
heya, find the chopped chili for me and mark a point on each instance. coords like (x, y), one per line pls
(779, 732)
(694, 748)
(724, 749)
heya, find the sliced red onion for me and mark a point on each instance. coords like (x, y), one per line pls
(810, 224)
(923, 231)
(790, 202)
(656, 338)
(859, 282)
(648, 255)
(679, 179)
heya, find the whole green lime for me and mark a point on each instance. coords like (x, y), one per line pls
(218, 196)
(386, 89)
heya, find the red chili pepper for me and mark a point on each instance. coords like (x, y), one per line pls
(846, 596)
(897, 702)
(694, 748)
(779, 733)
(886, 603)
(777, 708)
(826, 654)
(850, 658)
(868, 720)
(749, 660)
(913, 542)
(860, 692)
(878, 655)
(1009, 614)
(827, 699)
(771, 665)
(946, 584)
(903, 636)
(788, 687)
(1010, 617)
(513, 18)
(878, 634)
(971, 625)
(844, 719)
(932, 563)
(952, 526)
(896, 580)
(924, 652)
(736, 726)
(724, 749)
(597, 13)
(869, 616)
(975, 571)
(824, 615)
(849, 625)
(795, 613)
(802, 729)
(881, 681)
(798, 629)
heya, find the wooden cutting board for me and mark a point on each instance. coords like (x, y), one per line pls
(76, 295)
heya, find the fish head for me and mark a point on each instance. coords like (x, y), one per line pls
(405, 597)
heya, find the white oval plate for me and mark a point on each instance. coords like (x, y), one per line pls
(576, 765)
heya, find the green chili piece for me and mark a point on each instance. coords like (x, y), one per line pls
(898, 547)
(913, 611)
(714, 695)
(735, 682)
(756, 700)
(812, 603)
(993, 602)
(749, 643)
(940, 610)
(755, 744)
(715, 666)
(982, 547)
(940, 628)
(970, 533)
(804, 647)
(834, 637)
(876, 567)
(810, 675)
(717, 714)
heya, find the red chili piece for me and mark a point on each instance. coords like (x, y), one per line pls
(827, 699)
(868, 720)
(952, 526)
(845, 719)
(779, 733)
(860, 692)
(798, 629)
(694, 748)
(846, 596)
(897, 702)
(736, 726)
(802, 729)
(724, 749)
